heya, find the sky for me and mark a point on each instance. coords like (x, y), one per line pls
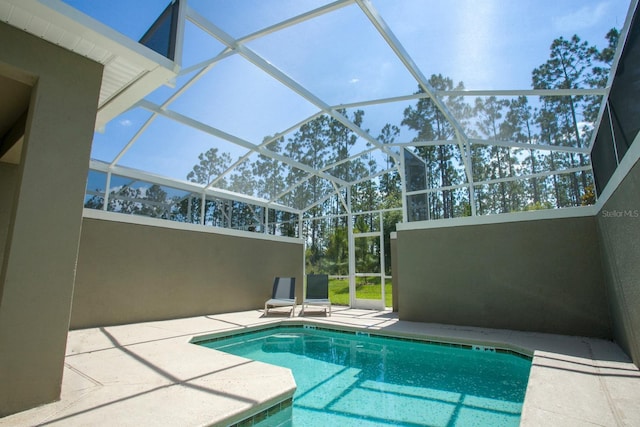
(339, 58)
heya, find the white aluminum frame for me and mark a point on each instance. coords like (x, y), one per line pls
(167, 70)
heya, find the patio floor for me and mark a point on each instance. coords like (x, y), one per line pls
(148, 374)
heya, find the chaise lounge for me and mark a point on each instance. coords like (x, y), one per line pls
(317, 293)
(283, 295)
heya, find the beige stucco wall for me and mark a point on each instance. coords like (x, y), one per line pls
(542, 275)
(619, 233)
(132, 273)
(41, 244)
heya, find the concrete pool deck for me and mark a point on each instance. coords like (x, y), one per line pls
(149, 374)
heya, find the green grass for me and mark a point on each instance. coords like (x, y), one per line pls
(339, 291)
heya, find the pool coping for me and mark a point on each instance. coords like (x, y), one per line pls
(150, 373)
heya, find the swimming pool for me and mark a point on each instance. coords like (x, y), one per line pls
(356, 379)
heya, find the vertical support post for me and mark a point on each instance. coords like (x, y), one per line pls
(265, 221)
(403, 187)
(300, 225)
(472, 192)
(106, 192)
(382, 263)
(203, 207)
(352, 251)
(428, 193)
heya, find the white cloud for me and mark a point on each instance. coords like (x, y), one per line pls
(354, 80)
(125, 122)
(583, 18)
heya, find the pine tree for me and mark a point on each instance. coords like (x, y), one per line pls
(568, 67)
(442, 160)
(489, 113)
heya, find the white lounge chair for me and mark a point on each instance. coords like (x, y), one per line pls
(317, 293)
(283, 294)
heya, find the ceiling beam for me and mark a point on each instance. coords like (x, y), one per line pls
(234, 139)
(479, 93)
(280, 76)
(397, 47)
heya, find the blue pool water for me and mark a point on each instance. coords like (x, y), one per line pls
(346, 379)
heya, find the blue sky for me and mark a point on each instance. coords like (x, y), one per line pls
(339, 57)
